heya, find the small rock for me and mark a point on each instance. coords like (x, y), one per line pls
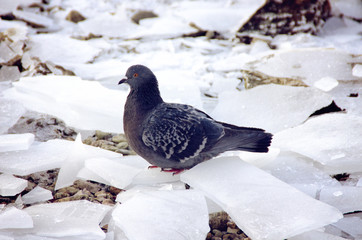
(137, 17)
(119, 138)
(209, 236)
(91, 187)
(75, 16)
(102, 135)
(216, 238)
(108, 202)
(115, 191)
(122, 145)
(217, 233)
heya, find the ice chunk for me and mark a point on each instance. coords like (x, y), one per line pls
(10, 112)
(13, 142)
(34, 18)
(73, 100)
(345, 198)
(316, 235)
(7, 6)
(75, 161)
(334, 140)
(357, 70)
(298, 103)
(153, 176)
(178, 214)
(207, 15)
(350, 225)
(299, 171)
(309, 65)
(75, 219)
(326, 84)
(59, 48)
(124, 196)
(39, 157)
(9, 73)
(38, 194)
(261, 205)
(351, 8)
(10, 185)
(113, 172)
(11, 217)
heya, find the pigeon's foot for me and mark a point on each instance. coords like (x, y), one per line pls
(174, 171)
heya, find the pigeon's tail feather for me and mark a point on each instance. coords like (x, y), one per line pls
(244, 139)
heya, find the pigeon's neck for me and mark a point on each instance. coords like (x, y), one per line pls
(145, 98)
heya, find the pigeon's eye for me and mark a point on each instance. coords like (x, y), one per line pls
(135, 75)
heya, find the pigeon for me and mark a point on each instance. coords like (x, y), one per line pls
(176, 137)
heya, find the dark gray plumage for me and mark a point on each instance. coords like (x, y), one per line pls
(178, 136)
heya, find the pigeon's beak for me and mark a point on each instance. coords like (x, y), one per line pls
(124, 80)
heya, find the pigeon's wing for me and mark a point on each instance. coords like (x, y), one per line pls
(180, 132)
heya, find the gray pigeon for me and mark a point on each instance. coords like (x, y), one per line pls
(177, 136)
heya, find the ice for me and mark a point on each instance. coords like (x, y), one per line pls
(10, 185)
(299, 172)
(9, 73)
(326, 84)
(333, 139)
(74, 161)
(59, 48)
(316, 235)
(39, 157)
(177, 214)
(307, 64)
(38, 194)
(154, 176)
(10, 112)
(351, 8)
(7, 6)
(81, 104)
(69, 220)
(112, 172)
(350, 225)
(14, 142)
(34, 18)
(207, 15)
(357, 70)
(261, 205)
(345, 198)
(11, 218)
(281, 106)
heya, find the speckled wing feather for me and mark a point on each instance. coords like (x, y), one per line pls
(180, 132)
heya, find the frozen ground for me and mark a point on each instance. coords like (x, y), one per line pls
(290, 192)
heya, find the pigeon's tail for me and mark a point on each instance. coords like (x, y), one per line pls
(244, 139)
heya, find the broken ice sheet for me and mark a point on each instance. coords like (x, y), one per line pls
(113, 172)
(75, 219)
(13, 142)
(38, 194)
(176, 214)
(10, 185)
(345, 198)
(297, 103)
(39, 157)
(350, 225)
(261, 205)
(298, 171)
(74, 161)
(307, 64)
(73, 100)
(333, 139)
(11, 217)
(10, 112)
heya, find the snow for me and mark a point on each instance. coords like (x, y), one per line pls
(36, 195)
(10, 185)
(274, 103)
(267, 217)
(179, 215)
(13, 142)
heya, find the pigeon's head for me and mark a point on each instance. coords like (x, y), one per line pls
(139, 76)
